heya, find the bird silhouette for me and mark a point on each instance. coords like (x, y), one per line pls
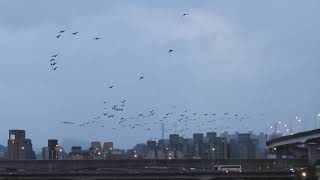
(75, 33)
(51, 60)
(67, 122)
(62, 31)
(170, 50)
(111, 87)
(184, 14)
(96, 38)
(52, 64)
(55, 55)
(58, 36)
(141, 77)
(55, 68)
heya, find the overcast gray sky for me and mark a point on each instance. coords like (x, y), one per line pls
(243, 57)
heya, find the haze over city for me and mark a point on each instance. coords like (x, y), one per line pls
(262, 67)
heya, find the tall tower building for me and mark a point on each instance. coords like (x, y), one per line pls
(19, 147)
(198, 144)
(52, 149)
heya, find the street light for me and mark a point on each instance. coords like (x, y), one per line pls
(213, 149)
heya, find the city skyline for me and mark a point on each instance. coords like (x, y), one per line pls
(223, 60)
(200, 145)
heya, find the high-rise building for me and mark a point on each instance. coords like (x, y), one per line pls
(151, 150)
(220, 148)
(151, 145)
(173, 141)
(95, 150)
(161, 146)
(211, 136)
(19, 148)
(140, 149)
(198, 145)
(96, 145)
(52, 149)
(45, 153)
(107, 146)
(247, 146)
(76, 153)
(3, 152)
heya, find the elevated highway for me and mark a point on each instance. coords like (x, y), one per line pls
(300, 145)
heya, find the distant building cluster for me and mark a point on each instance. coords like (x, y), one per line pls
(211, 146)
(200, 146)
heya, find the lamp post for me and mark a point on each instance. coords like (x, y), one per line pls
(213, 149)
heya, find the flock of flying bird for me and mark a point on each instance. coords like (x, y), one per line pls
(53, 61)
(115, 115)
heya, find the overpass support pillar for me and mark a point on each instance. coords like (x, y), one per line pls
(312, 153)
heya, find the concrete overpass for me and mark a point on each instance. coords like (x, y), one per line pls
(300, 145)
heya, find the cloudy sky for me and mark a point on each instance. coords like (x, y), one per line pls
(246, 57)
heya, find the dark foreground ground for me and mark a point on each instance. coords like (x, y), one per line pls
(151, 169)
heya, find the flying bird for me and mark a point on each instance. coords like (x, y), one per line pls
(184, 14)
(141, 77)
(170, 50)
(55, 68)
(62, 31)
(111, 87)
(52, 64)
(75, 33)
(96, 38)
(67, 122)
(58, 36)
(52, 60)
(55, 55)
